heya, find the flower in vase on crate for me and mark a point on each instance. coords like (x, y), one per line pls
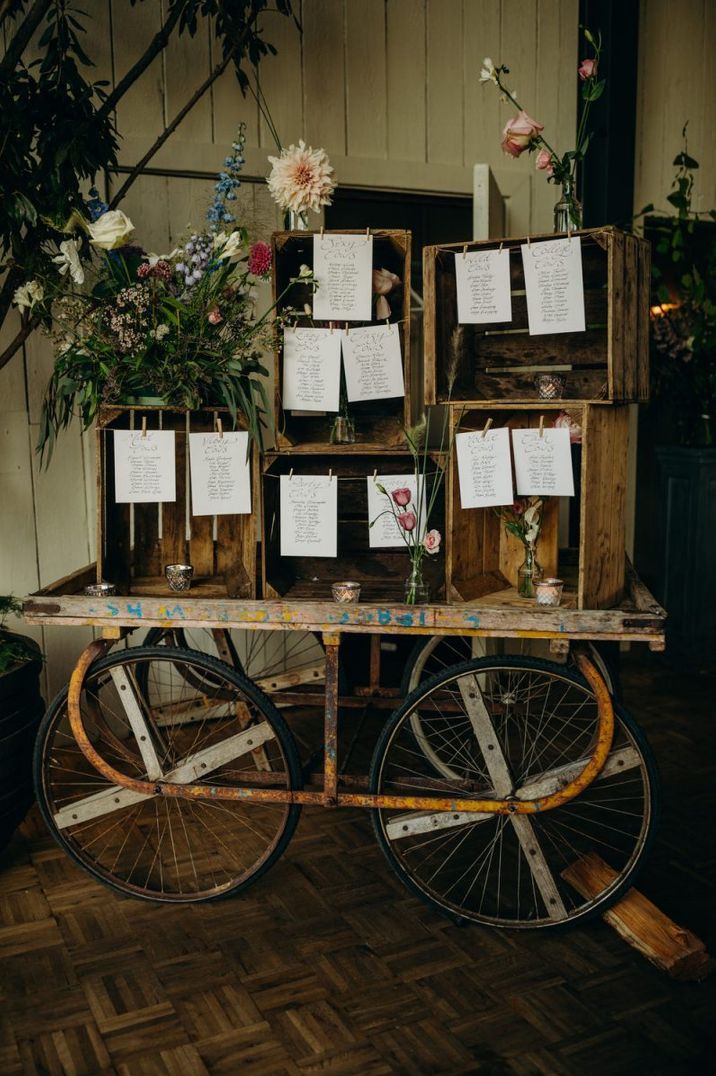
(301, 179)
(178, 328)
(523, 519)
(522, 133)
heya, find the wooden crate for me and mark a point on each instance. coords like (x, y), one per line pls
(378, 422)
(482, 558)
(135, 543)
(609, 362)
(381, 572)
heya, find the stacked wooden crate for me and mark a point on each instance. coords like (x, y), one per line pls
(488, 371)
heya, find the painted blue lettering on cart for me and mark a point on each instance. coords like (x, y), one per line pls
(175, 613)
(113, 609)
(405, 620)
(473, 619)
(384, 616)
(134, 610)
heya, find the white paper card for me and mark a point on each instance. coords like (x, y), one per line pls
(144, 469)
(553, 281)
(343, 269)
(309, 515)
(543, 465)
(483, 287)
(311, 369)
(385, 531)
(484, 468)
(220, 474)
(373, 363)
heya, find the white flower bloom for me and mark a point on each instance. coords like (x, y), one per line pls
(301, 178)
(28, 294)
(489, 71)
(68, 261)
(159, 333)
(228, 246)
(152, 259)
(304, 272)
(111, 230)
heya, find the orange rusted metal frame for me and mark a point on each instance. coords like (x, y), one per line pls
(330, 795)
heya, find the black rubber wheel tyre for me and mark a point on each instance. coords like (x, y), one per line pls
(210, 666)
(477, 665)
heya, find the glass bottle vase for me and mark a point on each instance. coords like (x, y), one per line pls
(295, 220)
(417, 591)
(568, 210)
(528, 573)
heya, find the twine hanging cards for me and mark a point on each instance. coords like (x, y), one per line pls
(385, 531)
(309, 515)
(144, 469)
(554, 286)
(220, 473)
(483, 287)
(543, 462)
(311, 369)
(342, 268)
(373, 363)
(484, 468)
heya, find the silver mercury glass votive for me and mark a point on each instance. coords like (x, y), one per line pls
(179, 576)
(549, 591)
(549, 386)
(346, 593)
(100, 590)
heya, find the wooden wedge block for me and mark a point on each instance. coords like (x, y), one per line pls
(670, 947)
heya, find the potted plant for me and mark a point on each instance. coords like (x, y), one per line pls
(21, 708)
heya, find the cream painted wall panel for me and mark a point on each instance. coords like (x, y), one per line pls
(229, 107)
(324, 95)
(281, 78)
(484, 117)
(187, 63)
(141, 110)
(406, 79)
(366, 86)
(445, 104)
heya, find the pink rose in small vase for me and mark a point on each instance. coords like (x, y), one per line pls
(383, 283)
(543, 162)
(519, 132)
(407, 520)
(565, 421)
(401, 497)
(431, 541)
(587, 69)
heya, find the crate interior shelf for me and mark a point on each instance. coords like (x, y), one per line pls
(377, 422)
(499, 362)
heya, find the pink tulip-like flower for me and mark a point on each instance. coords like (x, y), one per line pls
(587, 69)
(260, 259)
(431, 541)
(518, 134)
(401, 496)
(520, 506)
(543, 162)
(408, 520)
(565, 421)
(214, 316)
(383, 283)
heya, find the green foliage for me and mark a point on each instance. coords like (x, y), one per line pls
(14, 649)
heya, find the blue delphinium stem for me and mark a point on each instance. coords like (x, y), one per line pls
(228, 183)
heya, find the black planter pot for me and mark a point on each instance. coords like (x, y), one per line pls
(21, 709)
(686, 581)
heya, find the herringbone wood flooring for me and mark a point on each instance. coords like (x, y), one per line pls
(329, 965)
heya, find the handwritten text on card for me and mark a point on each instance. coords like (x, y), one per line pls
(309, 515)
(385, 531)
(311, 369)
(144, 469)
(220, 474)
(373, 363)
(543, 464)
(343, 269)
(483, 287)
(553, 282)
(484, 468)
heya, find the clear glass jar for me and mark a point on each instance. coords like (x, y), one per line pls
(417, 591)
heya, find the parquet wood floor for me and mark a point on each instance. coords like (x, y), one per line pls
(328, 965)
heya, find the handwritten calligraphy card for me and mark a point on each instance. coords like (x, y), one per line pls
(144, 470)
(554, 285)
(309, 515)
(484, 468)
(385, 531)
(220, 474)
(311, 369)
(343, 269)
(373, 363)
(543, 465)
(483, 287)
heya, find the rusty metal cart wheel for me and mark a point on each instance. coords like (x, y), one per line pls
(522, 728)
(179, 717)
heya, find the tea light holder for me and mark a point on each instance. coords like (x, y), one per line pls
(549, 386)
(100, 590)
(179, 576)
(346, 593)
(549, 591)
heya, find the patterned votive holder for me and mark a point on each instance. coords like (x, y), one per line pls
(179, 576)
(549, 386)
(346, 593)
(100, 590)
(549, 591)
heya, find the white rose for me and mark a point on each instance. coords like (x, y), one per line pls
(111, 230)
(68, 260)
(28, 294)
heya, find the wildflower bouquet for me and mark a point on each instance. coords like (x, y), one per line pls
(178, 327)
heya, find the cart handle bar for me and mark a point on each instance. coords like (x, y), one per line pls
(604, 737)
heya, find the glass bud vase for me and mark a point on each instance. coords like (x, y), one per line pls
(343, 430)
(528, 573)
(296, 221)
(568, 210)
(417, 591)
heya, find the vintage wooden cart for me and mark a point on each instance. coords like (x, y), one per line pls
(170, 775)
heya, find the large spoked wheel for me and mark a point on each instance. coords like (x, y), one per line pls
(513, 726)
(146, 716)
(434, 654)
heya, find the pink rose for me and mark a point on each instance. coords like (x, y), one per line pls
(518, 134)
(564, 421)
(431, 541)
(587, 69)
(383, 283)
(519, 506)
(407, 521)
(260, 259)
(214, 316)
(543, 162)
(401, 497)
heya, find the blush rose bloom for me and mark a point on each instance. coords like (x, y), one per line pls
(401, 496)
(214, 316)
(111, 230)
(518, 134)
(383, 283)
(407, 520)
(431, 541)
(587, 69)
(543, 162)
(564, 421)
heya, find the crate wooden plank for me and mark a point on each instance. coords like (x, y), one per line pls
(642, 319)
(631, 324)
(147, 554)
(616, 317)
(113, 531)
(201, 528)
(236, 544)
(603, 506)
(173, 540)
